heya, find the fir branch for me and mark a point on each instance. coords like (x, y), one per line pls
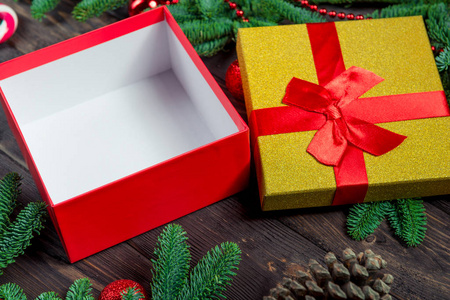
(9, 191)
(364, 218)
(181, 13)
(11, 291)
(408, 219)
(213, 273)
(294, 14)
(132, 293)
(18, 235)
(438, 25)
(210, 48)
(210, 9)
(93, 8)
(81, 289)
(171, 266)
(48, 296)
(201, 31)
(443, 60)
(40, 7)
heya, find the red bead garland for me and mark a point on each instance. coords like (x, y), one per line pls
(239, 12)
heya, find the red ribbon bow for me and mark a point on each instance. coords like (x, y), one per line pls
(331, 140)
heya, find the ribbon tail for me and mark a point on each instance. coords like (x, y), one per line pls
(372, 138)
(328, 144)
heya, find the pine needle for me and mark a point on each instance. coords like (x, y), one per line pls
(48, 296)
(11, 291)
(18, 235)
(81, 289)
(171, 267)
(364, 218)
(201, 31)
(132, 293)
(407, 217)
(93, 8)
(9, 191)
(210, 48)
(213, 273)
(40, 7)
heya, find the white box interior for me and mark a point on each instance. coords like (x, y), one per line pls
(114, 109)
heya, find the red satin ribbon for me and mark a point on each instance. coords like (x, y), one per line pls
(345, 125)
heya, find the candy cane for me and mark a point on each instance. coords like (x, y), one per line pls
(9, 22)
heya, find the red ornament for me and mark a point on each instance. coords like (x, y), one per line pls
(233, 81)
(137, 6)
(341, 15)
(232, 5)
(114, 290)
(244, 19)
(313, 7)
(359, 17)
(304, 3)
(433, 48)
(350, 16)
(239, 13)
(332, 13)
(323, 11)
(174, 1)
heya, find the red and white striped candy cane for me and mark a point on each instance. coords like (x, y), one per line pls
(9, 22)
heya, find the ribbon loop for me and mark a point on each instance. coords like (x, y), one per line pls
(331, 140)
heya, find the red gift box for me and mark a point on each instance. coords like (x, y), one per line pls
(123, 130)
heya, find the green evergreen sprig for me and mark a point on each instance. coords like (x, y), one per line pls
(40, 7)
(93, 8)
(81, 289)
(15, 237)
(132, 293)
(208, 279)
(406, 216)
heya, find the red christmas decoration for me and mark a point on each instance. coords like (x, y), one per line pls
(304, 3)
(341, 15)
(233, 81)
(138, 6)
(332, 13)
(359, 17)
(239, 13)
(114, 290)
(323, 11)
(350, 16)
(232, 5)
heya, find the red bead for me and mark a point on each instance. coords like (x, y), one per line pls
(239, 13)
(167, 2)
(313, 7)
(304, 3)
(433, 48)
(232, 5)
(226, 0)
(323, 11)
(244, 19)
(350, 16)
(369, 18)
(359, 17)
(152, 4)
(332, 13)
(441, 50)
(341, 15)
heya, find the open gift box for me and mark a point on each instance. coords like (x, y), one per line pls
(123, 129)
(336, 133)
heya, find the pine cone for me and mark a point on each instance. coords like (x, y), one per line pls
(359, 277)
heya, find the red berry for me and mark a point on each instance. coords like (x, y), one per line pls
(167, 2)
(226, 0)
(313, 7)
(232, 5)
(359, 17)
(369, 18)
(341, 15)
(433, 48)
(441, 50)
(153, 4)
(332, 13)
(323, 11)
(239, 13)
(350, 16)
(244, 19)
(304, 3)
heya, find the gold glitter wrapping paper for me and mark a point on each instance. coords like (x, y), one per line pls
(398, 50)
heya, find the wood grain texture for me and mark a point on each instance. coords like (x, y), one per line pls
(270, 242)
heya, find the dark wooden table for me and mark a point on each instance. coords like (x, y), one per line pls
(270, 242)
